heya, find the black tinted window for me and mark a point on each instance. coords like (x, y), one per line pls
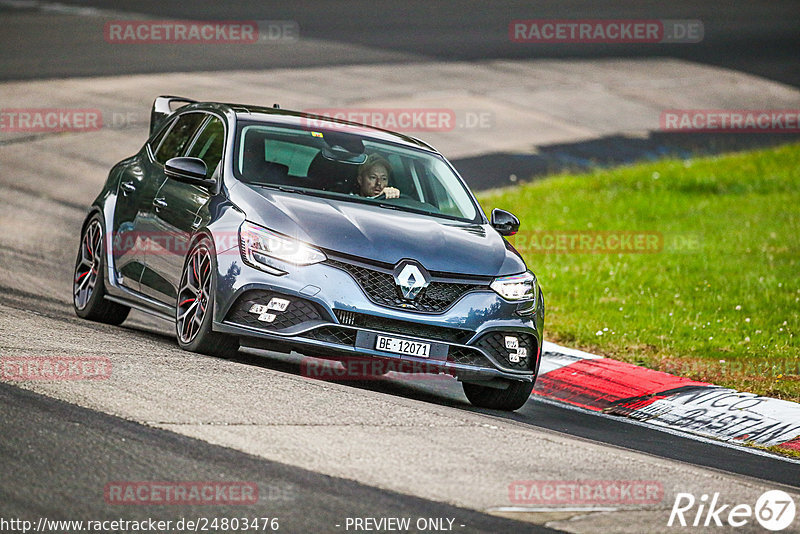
(159, 136)
(178, 136)
(208, 145)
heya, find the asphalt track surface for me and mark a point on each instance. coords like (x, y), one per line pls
(46, 441)
(579, 423)
(55, 457)
(759, 37)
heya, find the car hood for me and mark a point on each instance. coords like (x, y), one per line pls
(380, 234)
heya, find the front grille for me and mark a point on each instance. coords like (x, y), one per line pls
(380, 287)
(437, 333)
(299, 311)
(333, 334)
(494, 344)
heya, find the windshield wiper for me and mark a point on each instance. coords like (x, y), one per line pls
(279, 187)
(390, 206)
(287, 189)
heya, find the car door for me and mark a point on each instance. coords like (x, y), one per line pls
(155, 243)
(176, 210)
(138, 184)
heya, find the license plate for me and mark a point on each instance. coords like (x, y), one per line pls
(403, 346)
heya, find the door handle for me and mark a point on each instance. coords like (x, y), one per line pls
(127, 187)
(159, 203)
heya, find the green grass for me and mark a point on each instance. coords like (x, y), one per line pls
(790, 453)
(720, 300)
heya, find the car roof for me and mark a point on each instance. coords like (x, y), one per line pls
(303, 120)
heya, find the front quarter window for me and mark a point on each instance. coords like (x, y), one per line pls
(208, 145)
(180, 134)
(446, 191)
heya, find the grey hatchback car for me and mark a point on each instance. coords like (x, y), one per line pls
(274, 229)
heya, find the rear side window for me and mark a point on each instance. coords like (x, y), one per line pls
(178, 136)
(208, 145)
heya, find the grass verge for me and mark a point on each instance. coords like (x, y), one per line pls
(691, 267)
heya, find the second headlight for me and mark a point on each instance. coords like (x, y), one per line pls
(257, 244)
(516, 287)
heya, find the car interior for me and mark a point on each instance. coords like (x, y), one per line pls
(272, 158)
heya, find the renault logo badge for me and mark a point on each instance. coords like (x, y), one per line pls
(411, 278)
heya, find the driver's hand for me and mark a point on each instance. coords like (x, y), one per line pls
(391, 192)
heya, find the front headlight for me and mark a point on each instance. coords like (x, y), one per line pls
(516, 287)
(258, 244)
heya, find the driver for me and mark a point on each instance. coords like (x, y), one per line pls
(373, 178)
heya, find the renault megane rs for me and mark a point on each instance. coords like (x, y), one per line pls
(275, 229)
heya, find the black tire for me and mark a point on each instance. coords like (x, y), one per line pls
(509, 399)
(88, 282)
(195, 304)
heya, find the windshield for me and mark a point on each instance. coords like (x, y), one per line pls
(346, 166)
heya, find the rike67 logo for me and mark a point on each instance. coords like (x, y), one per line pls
(774, 510)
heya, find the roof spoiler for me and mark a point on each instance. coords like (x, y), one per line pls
(163, 107)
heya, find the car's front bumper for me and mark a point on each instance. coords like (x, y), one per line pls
(331, 316)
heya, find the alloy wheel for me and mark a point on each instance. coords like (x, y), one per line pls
(88, 266)
(194, 293)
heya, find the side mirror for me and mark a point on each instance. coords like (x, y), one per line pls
(504, 222)
(189, 170)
